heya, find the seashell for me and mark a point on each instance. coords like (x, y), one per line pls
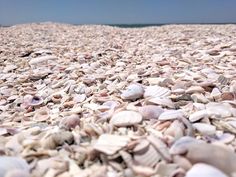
(156, 91)
(79, 98)
(41, 114)
(160, 146)
(143, 171)
(150, 111)
(199, 98)
(228, 96)
(8, 164)
(176, 130)
(198, 115)
(204, 170)
(166, 169)
(204, 129)
(133, 92)
(110, 144)
(200, 152)
(36, 101)
(219, 109)
(70, 122)
(171, 114)
(148, 157)
(215, 93)
(42, 59)
(141, 146)
(162, 102)
(17, 173)
(52, 140)
(126, 118)
(195, 89)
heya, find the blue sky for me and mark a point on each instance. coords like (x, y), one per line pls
(117, 11)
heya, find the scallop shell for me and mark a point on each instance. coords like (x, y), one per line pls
(148, 157)
(110, 144)
(133, 91)
(156, 91)
(126, 118)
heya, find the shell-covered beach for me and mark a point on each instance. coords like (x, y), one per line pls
(103, 101)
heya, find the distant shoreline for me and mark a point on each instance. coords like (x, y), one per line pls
(141, 25)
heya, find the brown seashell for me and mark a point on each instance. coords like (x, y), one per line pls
(126, 118)
(110, 144)
(228, 96)
(70, 122)
(150, 111)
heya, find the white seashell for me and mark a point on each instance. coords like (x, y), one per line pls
(110, 144)
(195, 89)
(150, 111)
(38, 60)
(156, 91)
(219, 109)
(162, 101)
(148, 157)
(204, 129)
(171, 114)
(215, 93)
(198, 115)
(126, 118)
(12, 163)
(204, 170)
(132, 92)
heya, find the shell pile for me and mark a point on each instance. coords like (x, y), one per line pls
(102, 101)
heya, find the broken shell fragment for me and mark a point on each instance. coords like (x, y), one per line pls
(171, 114)
(110, 144)
(126, 118)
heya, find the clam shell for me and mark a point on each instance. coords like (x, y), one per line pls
(110, 144)
(126, 118)
(70, 122)
(171, 115)
(204, 170)
(156, 91)
(132, 92)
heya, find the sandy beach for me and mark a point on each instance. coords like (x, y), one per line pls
(103, 101)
